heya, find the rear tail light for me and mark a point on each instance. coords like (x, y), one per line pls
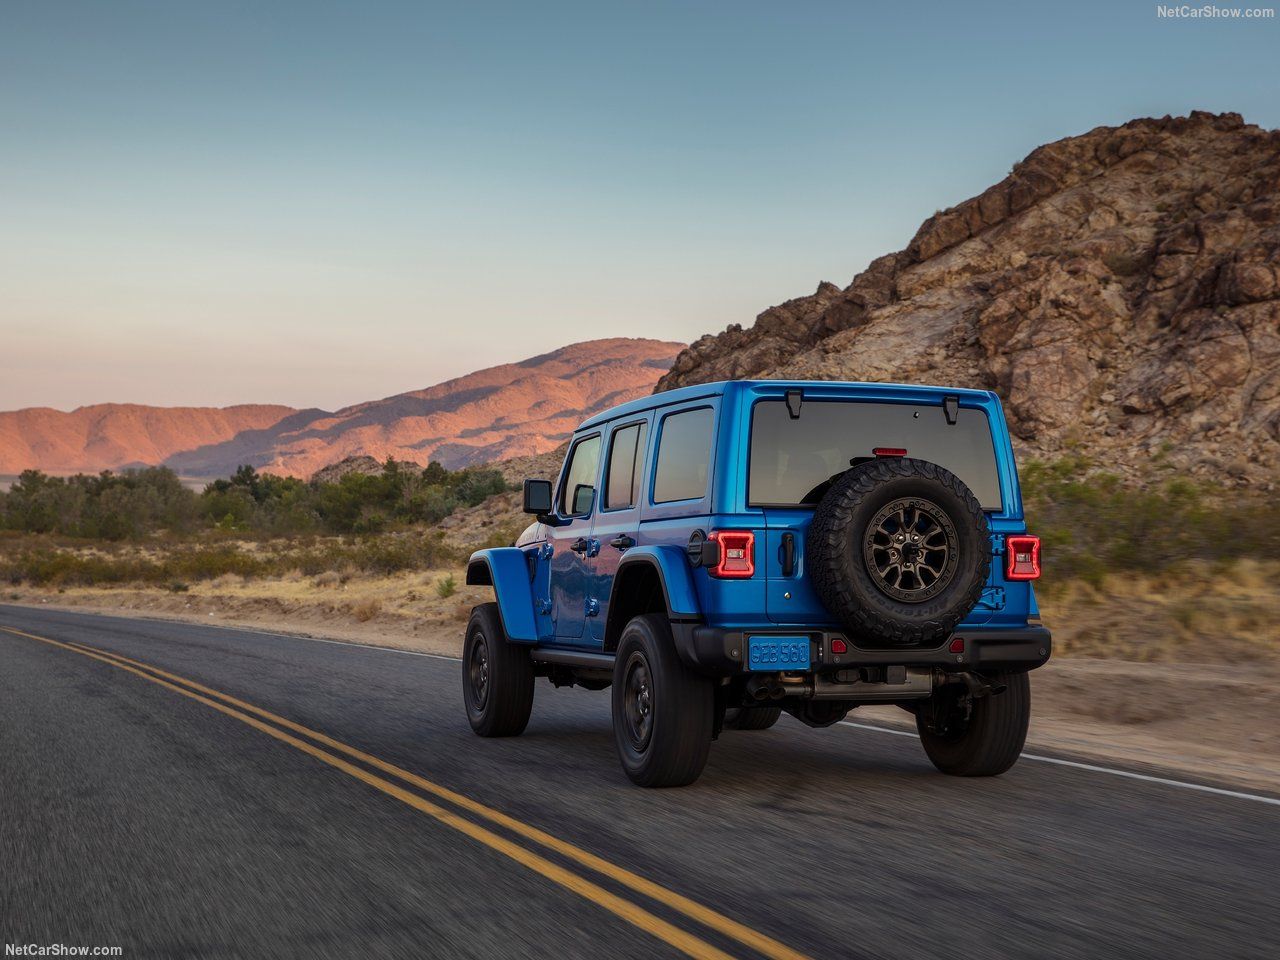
(889, 451)
(737, 560)
(1022, 558)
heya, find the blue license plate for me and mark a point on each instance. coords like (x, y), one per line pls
(777, 653)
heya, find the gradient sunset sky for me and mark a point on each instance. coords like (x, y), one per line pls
(318, 203)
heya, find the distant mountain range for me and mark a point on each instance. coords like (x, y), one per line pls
(517, 409)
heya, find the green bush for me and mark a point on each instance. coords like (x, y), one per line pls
(137, 504)
(1092, 523)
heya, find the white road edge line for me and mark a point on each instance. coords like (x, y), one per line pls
(352, 643)
(1092, 768)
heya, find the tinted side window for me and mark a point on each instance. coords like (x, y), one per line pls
(684, 456)
(626, 464)
(580, 478)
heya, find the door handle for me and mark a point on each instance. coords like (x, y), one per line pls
(622, 542)
(788, 554)
(579, 545)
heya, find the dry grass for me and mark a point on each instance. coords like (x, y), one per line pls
(1203, 613)
(1192, 612)
(401, 609)
(327, 580)
(366, 610)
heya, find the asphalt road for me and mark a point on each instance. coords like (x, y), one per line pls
(141, 812)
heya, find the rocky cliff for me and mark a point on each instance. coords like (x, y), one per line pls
(1118, 289)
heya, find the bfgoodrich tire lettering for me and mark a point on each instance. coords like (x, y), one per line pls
(497, 677)
(662, 711)
(864, 587)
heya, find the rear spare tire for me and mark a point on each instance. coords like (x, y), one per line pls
(899, 552)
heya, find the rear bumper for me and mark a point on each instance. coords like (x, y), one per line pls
(719, 651)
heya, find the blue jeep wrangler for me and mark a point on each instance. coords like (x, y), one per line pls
(721, 553)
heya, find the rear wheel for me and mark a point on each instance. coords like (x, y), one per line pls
(662, 711)
(969, 736)
(751, 718)
(497, 677)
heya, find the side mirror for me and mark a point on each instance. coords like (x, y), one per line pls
(583, 494)
(537, 496)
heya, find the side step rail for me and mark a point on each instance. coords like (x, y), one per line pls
(583, 659)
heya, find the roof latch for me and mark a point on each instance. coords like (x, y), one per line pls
(951, 409)
(794, 399)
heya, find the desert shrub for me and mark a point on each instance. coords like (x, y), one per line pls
(1093, 523)
(447, 587)
(136, 504)
(384, 555)
(108, 506)
(366, 610)
(42, 565)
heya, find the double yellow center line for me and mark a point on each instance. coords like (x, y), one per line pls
(622, 907)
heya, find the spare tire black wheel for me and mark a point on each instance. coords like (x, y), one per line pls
(899, 552)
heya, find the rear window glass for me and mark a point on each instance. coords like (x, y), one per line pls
(684, 456)
(793, 461)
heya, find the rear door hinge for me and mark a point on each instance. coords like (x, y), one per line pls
(992, 598)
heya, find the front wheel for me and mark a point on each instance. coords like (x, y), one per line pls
(497, 677)
(970, 736)
(662, 711)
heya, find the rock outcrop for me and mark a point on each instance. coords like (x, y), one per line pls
(1120, 290)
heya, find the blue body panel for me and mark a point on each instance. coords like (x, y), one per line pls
(677, 578)
(509, 573)
(531, 585)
